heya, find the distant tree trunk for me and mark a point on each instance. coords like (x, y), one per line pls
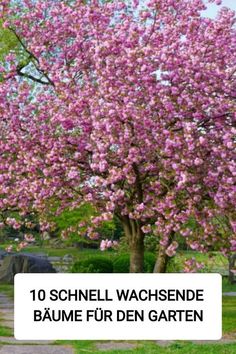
(232, 264)
(162, 261)
(135, 238)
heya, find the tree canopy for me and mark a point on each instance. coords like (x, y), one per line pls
(128, 106)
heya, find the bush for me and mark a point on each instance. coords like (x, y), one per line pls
(174, 265)
(95, 264)
(150, 243)
(122, 262)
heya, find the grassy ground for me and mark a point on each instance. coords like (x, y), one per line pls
(7, 289)
(60, 252)
(5, 332)
(227, 286)
(229, 314)
(149, 347)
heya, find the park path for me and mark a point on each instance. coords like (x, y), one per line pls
(9, 345)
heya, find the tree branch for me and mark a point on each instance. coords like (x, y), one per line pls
(31, 56)
(138, 183)
(31, 77)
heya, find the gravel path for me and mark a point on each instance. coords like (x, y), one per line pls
(36, 349)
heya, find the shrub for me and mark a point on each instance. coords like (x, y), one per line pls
(150, 243)
(97, 264)
(122, 262)
(174, 265)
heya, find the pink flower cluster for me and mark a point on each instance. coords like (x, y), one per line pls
(29, 238)
(108, 244)
(171, 250)
(233, 245)
(192, 266)
(13, 223)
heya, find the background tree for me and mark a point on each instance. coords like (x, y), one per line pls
(126, 106)
(8, 42)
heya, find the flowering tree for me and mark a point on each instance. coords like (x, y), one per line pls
(129, 106)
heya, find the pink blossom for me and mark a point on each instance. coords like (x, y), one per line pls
(22, 245)
(147, 229)
(108, 244)
(134, 116)
(29, 238)
(171, 250)
(198, 161)
(192, 266)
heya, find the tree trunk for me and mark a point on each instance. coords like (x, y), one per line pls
(135, 238)
(136, 254)
(162, 261)
(162, 258)
(232, 264)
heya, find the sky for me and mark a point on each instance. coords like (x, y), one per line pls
(213, 9)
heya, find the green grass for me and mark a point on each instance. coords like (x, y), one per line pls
(227, 286)
(7, 290)
(229, 314)
(149, 347)
(5, 331)
(58, 252)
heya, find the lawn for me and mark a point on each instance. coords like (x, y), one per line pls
(227, 286)
(5, 331)
(56, 252)
(229, 314)
(149, 347)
